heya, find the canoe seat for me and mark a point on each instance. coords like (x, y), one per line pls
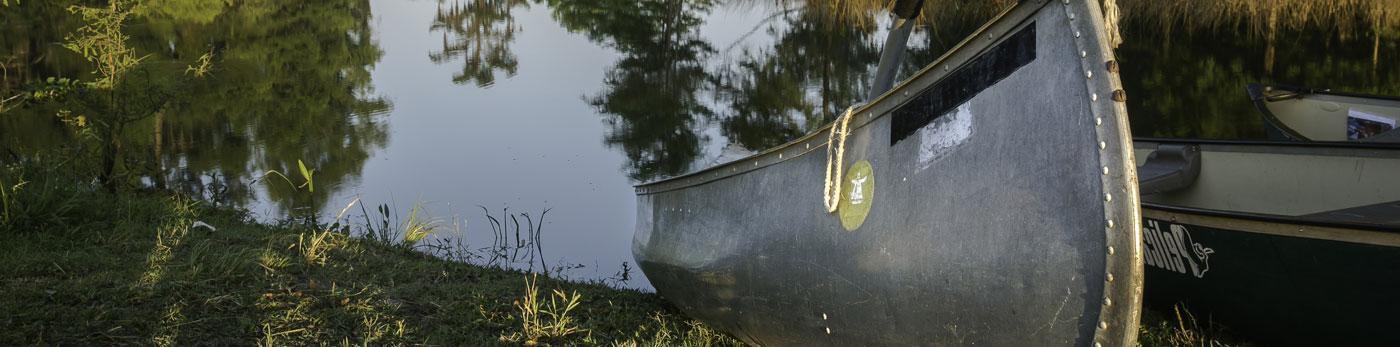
(1170, 167)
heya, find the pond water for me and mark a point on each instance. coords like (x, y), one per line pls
(509, 108)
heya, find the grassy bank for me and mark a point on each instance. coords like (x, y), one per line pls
(136, 270)
(83, 267)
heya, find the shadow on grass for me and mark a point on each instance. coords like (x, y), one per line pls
(1181, 328)
(138, 272)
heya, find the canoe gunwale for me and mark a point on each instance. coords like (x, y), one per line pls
(1271, 218)
(1324, 91)
(1261, 104)
(864, 113)
(1294, 144)
(1121, 309)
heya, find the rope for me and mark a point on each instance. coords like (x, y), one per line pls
(835, 146)
(1110, 23)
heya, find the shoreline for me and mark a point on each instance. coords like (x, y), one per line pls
(166, 270)
(154, 268)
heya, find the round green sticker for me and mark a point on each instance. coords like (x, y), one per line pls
(857, 194)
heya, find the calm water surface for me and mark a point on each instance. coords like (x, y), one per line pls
(529, 106)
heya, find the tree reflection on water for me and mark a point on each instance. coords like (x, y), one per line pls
(480, 32)
(768, 92)
(651, 98)
(291, 81)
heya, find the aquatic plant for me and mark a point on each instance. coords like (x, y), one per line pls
(506, 250)
(386, 227)
(309, 212)
(619, 278)
(307, 177)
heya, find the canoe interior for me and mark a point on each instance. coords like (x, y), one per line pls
(1347, 185)
(1287, 243)
(1313, 115)
(1001, 208)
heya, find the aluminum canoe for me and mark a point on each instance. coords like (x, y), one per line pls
(1307, 114)
(988, 200)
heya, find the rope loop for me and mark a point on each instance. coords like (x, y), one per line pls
(836, 149)
(1111, 17)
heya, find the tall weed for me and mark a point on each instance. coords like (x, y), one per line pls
(44, 203)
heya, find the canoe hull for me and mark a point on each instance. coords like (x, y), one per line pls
(1283, 243)
(957, 226)
(1276, 283)
(1303, 114)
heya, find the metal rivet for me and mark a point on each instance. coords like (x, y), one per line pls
(1103, 325)
(1076, 33)
(1088, 74)
(1110, 277)
(1110, 250)
(755, 163)
(1096, 344)
(780, 156)
(1066, 2)
(828, 330)
(1103, 145)
(906, 93)
(945, 68)
(1107, 302)
(1105, 170)
(809, 145)
(1094, 97)
(1108, 197)
(1083, 54)
(1098, 120)
(823, 316)
(1071, 16)
(1110, 224)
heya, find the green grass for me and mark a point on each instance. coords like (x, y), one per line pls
(1180, 328)
(136, 269)
(136, 272)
